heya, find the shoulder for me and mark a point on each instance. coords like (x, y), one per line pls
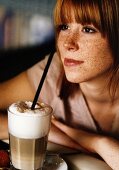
(38, 68)
(52, 79)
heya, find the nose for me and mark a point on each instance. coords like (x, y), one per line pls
(70, 42)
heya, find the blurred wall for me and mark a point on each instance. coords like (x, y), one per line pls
(26, 34)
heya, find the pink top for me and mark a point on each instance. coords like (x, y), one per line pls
(69, 108)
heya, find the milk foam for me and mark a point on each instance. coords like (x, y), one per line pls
(26, 123)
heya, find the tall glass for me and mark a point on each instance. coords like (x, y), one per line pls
(28, 134)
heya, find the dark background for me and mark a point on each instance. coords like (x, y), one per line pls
(14, 60)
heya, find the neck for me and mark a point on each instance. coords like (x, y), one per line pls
(98, 92)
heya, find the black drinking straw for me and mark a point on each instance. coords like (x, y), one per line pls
(42, 79)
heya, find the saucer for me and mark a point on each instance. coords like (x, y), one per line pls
(52, 162)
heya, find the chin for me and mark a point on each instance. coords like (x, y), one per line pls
(76, 79)
(72, 79)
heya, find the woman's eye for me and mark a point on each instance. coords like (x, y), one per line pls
(63, 27)
(87, 29)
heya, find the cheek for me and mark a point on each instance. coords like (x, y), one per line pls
(97, 66)
(97, 62)
(60, 41)
(60, 47)
(97, 54)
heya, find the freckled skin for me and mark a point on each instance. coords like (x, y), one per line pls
(92, 48)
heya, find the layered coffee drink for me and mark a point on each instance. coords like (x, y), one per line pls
(28, 133)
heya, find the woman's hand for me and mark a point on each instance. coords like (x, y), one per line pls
(106, 147)
(84, 139)
(59, 137)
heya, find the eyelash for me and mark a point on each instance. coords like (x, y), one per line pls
(63, 27)
(85, 29)
(88, 29)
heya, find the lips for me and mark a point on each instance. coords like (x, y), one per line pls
(72, 62)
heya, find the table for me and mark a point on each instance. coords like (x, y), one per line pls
(78, 161)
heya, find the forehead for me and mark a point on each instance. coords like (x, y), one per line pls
(80, 11)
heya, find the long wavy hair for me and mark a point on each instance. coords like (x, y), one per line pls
(104, 15)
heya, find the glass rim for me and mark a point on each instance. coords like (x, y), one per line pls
(37, 114)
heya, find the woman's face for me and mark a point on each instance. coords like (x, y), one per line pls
(84, 52)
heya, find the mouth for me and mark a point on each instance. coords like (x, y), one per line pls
(72, 62)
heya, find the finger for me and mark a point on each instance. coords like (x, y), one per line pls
(76, 135)
(63, 127)
(57, 136)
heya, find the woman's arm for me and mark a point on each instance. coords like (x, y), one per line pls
(59, 137)
(106, 147)
(3, 126)
(17, 88)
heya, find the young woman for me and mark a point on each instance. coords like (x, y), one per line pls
(82, 82)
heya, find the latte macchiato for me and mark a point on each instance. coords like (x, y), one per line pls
(28, 133)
